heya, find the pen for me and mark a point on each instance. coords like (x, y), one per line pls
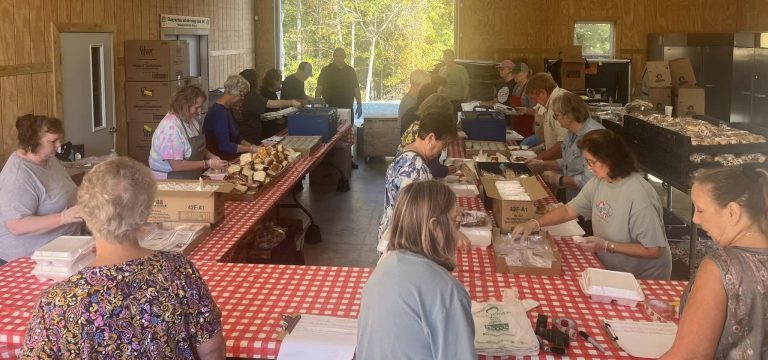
(592, 341)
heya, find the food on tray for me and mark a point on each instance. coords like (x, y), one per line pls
(702, 132)
(254, 170)
(728, 159)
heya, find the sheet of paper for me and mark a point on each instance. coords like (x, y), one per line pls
(645, 339)
(569, 228)
(321, 338)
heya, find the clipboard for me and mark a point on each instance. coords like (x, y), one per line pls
(287, 325)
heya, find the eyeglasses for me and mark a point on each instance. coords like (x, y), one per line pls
(556, 115)
(591, 162)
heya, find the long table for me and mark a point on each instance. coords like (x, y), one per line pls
(252, 297)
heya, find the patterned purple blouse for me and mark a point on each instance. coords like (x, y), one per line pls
(156, 307)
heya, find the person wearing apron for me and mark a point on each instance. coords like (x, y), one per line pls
(178, 146)
(522, 124)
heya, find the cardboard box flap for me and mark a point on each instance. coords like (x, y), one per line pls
(531, 184)
(222, 187)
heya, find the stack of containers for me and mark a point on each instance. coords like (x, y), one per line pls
(154, 71)
(63, 257)
(657, 83)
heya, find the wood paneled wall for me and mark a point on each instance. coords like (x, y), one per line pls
(754, 15)
(534, 30)
(26, 78)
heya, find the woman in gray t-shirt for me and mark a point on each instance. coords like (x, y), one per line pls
(724, 311)
(38, 196)
(625, 211)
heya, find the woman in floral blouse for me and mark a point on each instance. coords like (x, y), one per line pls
(436, 129)
(130, 302)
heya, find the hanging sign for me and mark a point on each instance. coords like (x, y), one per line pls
(186, 22)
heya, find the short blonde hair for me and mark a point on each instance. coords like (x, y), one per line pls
(237, 85)
(115, 199)
(420, 77)
(422, 222)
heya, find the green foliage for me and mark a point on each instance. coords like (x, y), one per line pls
(414, 36)
(595, 38)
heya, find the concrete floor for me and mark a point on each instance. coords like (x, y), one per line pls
(348, 221)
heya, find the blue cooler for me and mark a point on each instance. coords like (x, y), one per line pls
(317, 121)
(484, 125)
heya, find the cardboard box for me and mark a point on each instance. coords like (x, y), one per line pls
(657, 74)
(190, 206)
(150, 100)
(572, 74)
(660, 97)
(571, 51)
(689, 101)
(502, 267)
(508, 213)
(681, 73)
(156, 60)
(140, 139)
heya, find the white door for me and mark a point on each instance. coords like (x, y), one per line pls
(87, 76)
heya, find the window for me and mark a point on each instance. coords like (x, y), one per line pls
(97, 87)
(595, 37)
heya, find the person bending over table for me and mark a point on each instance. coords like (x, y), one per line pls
(130, 302)
(37, 201)
(433, 102)
(436, 129)
(541, 88)
(250, 124)
(724, 310)
(411, 306)
(568, 172)
(178, 146)
(222, 137)
(625, 211)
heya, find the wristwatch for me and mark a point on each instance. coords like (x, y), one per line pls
(560, 180)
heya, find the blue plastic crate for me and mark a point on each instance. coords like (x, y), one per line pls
(314, 122)
(484, 125)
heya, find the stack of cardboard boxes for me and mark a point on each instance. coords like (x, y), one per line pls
(673, 83)
(154, 71)
(572, 74)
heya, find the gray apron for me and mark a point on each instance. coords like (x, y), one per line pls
(197, 143)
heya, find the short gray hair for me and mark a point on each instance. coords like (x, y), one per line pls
(115, 199)
(237, 85)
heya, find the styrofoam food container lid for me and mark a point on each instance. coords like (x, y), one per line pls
(614, 284)
(64, 248)
(58, 273)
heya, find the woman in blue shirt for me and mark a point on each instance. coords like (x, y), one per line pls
(222, 137)
(570, 171)
(412, 307)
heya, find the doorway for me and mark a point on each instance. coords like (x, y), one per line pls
(88, 90)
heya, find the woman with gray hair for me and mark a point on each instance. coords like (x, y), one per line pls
(130, 302)
(570, 171)
(222, 137)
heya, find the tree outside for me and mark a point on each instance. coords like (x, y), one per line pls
(384, 39)
(595, 38)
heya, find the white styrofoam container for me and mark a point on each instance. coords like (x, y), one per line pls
(606, 286)
(63, 251)
(59, 273)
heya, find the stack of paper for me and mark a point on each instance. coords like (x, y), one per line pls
(320, 338)
(503, 329)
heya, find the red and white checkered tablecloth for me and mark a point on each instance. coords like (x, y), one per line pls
(563, 297)
(239, 217)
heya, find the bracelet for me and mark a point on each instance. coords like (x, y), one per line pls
(537, 223)
(560, 181)
(205, 164)
(612, 249)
